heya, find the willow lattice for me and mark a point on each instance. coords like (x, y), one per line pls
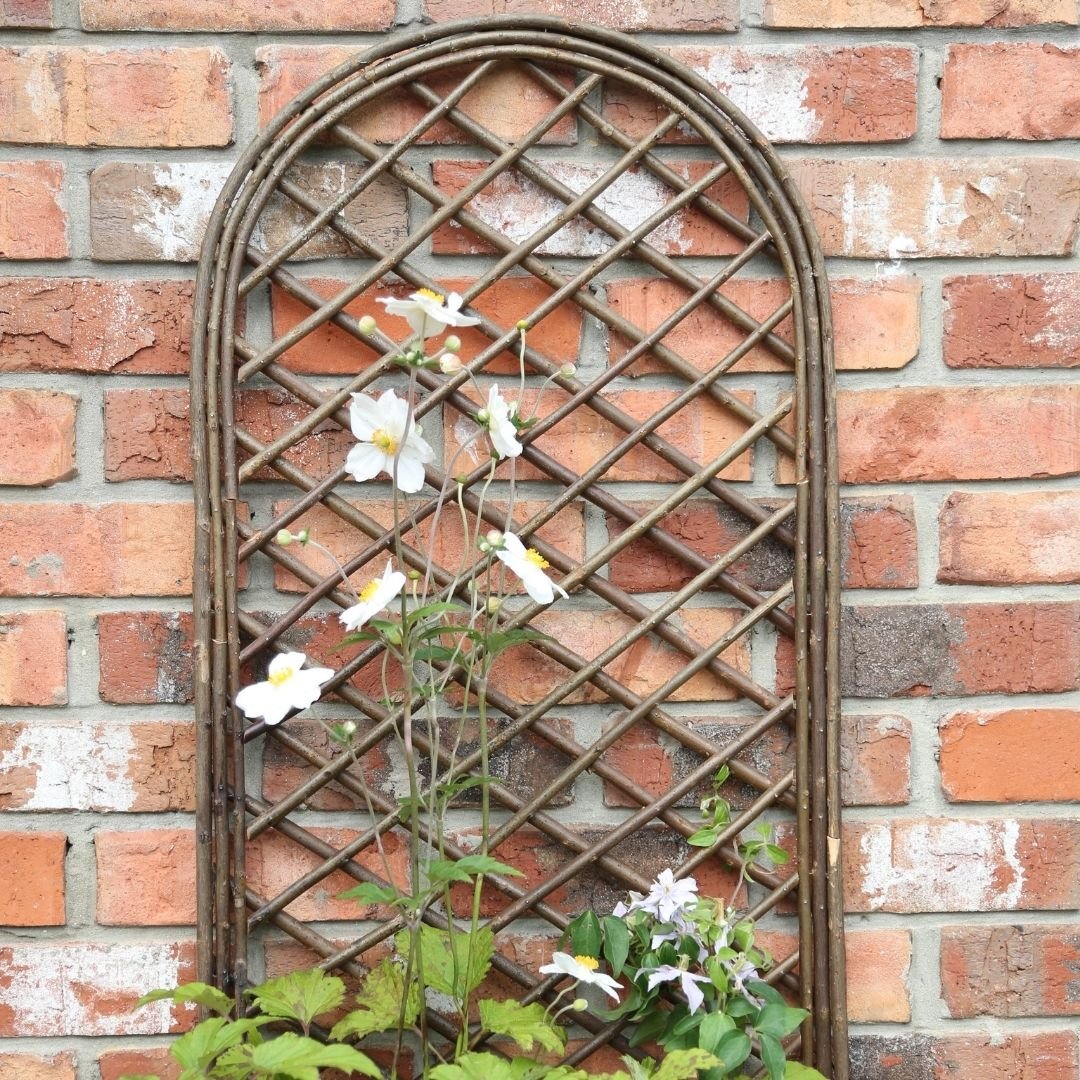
(594, 204)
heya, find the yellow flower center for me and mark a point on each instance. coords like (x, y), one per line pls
(589, 962)
(369, 590)
(384, 441)
(533, 556)
(276, 678)
(431, 295)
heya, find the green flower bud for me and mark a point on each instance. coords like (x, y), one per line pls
(452, 344)
(284, 537)
(368, 325)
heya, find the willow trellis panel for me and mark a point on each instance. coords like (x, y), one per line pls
(680, 483)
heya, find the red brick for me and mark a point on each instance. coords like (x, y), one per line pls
(875, 760)
(506, 100)
(797, 94)
(876, 323)
(621, 15)
(908, 207)
(90, 988)
(814, 14)
(918, 1056)
(37, 437)
(143, 765)
(114, 549)
(33, 889)
(1012, 755)
(25, 15)
(329, 350)
(516, 207)
(702, 430)
(1002, 538)
(31, 1066)
(925, 433)
(78, 324)
(33, 658)
(145, 657)
(1018, 970)
(115, 97)
(145, 211)
(1043, 81)
(145, 877)
(1012, 320)
(950, 649)
(879, 543)
(985, 864)
(154, 1061)
(33, 223)
(225, 15)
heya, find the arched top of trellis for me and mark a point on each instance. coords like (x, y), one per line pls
(636, 222)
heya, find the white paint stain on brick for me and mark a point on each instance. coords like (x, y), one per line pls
(771, 89)
(1059, 325)
(175, 209)
(84, 989)
(74, 766)
(942, 866)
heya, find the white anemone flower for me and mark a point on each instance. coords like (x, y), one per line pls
(529, 565)
(429, 313)
(584, 970)
(687, 982)
(500, 427)
(289, 685)
(374, 596)
(383, 432)
(668, 898)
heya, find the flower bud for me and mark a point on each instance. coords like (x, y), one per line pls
(284, 537)
(349, 728)
(579, 1005)
(483, 417)
(303, 536)
(494, 538)
(493, 605)
(452, 343)
(522, 324)
(368, 325)
(449, 364)
(413, 575)
(568, 371)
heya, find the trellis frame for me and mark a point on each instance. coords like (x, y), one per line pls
(228, 815)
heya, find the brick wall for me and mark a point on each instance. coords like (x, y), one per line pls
(935, 141)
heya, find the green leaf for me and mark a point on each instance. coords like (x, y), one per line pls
(713, 1028)
(685, 1064)
(703, 837)
(777, 854)
(769, 994)
(616, 943)
(466, 868)
(779, 1020)
(454, 965)
(204, 1042)
(650, 1028)
(298, 1058)
(585, 935)
(499, 642)
(772, 1055)
(733, 1049)
(369, 893)
(380, 999)
(139, 1076)
(475, 1067)
(439, 607)
(795, 1070)
(527, 1025)
(209, 997)
(300, 996)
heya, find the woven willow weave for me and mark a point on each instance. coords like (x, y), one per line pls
(679, 483)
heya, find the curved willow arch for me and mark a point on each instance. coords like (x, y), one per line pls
(781, 506)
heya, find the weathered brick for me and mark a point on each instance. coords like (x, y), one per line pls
(33, 892)
(1012, 320)
(225, 15)
(115, 97)
(152, 1061)
(876, 323)
(1018, 970)
(875, 760)
(505, 100)
(947, 649)
(37, 437)
(33, 658)
(1034, 1055)
(25, 15)
(114, 549)
(33, 1066)
(1043, 81)
(145, 657)
(79, 324)
(845, 14)
(1006, 538)
(924, 433)
(516, 207)
(329, 350)
(90, 988)
(793, 93)
(149, 212)
(142, 765)
(702, 429)
(1012, 755)
(879, 543)
(995, 864)
(620, 15)
(921, 207)
(34, 222)
(145, 877)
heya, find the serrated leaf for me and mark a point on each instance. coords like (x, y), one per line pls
(380, 999)
(368, 893)
(444, 871)
(475, 1067)
(203, 1043)
(300, 995)
(616, 943)
(527, 1025)
(685, 1064)
(297, 1057)
(196, 993)
(454, 965)
(795, 1070)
